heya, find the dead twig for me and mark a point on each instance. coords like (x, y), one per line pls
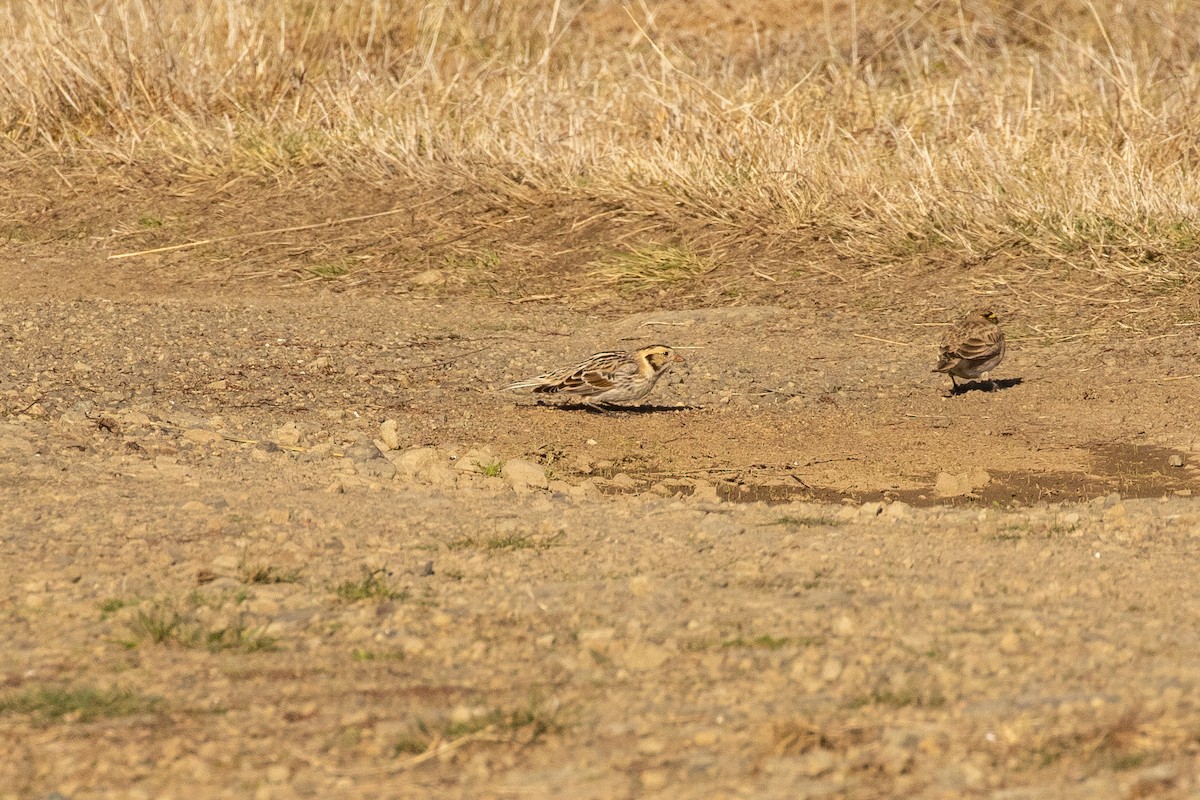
(885, 341)
(407, 764)
(231, 237)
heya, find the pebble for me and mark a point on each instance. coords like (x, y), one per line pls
(287, 435)
(389, 434)
(948, 485)
(520, 473)
(643, 656)
(816, 763)
(1010, 643)
(429, 277)
(202, 436)
(654, 779)
(416, 461)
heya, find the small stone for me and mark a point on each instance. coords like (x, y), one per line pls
(417, 460)
(477, 459)
(287, 435)
(430, 277)
(439, 475)
(650, 746)
(1175, 460)
(1010, 643)
(643, 656)
(831, 669)
(623, 482)
(957, 485)
(843, 626)
(462, 714)
(870, 510)
(1154, 780)
(639, 585)
(963, 777)
(426, 569)
(704, 492)
(389, 434)
(226, 564)
(854, 676)
(202, 436)
(521, 473)
(278, 773)
(816, 763)
(363, 451)
(654, 779)
(596, 639)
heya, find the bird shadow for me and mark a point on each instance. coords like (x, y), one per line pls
(985, 386)
(615, 409)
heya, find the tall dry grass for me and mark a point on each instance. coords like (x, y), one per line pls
(1066, 129)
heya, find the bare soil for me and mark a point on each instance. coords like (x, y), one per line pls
(734, 590)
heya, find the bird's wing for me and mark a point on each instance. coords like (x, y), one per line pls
(974, 343)
(600, 374)
(980, 345)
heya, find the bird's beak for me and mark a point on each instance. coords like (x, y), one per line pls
(678, 359)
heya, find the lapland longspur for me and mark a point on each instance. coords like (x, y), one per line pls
(973, 347)
(615, 377)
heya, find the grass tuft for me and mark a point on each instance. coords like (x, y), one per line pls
(329, 270)
(83, 704)
(490, 469)
(372, 586)
(902, 698)
(522, 541)
(267, 574)
(523, 725)
(651, 265)
(807, 521)
(163, 624)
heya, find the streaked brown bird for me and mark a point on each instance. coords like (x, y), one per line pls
(610, 377)
(973, 347)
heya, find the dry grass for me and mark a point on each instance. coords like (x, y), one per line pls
(651, 264)
(1065, 131)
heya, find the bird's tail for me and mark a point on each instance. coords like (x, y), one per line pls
(528, 383)
(945, 364)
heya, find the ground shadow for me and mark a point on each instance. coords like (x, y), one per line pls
(614, 409)
(985, 386)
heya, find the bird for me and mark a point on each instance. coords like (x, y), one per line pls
(608, 377)
(973, 347)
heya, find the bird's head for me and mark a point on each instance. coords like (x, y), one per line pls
(659, 356)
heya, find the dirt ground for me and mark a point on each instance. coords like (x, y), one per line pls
(265, 497)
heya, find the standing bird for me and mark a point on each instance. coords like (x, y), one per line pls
(618, 377)
(973, 347)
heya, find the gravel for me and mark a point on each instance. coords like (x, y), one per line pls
(506, 637)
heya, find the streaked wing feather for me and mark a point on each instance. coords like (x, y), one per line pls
(979, 346)
(586, 378)
(972, 341)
